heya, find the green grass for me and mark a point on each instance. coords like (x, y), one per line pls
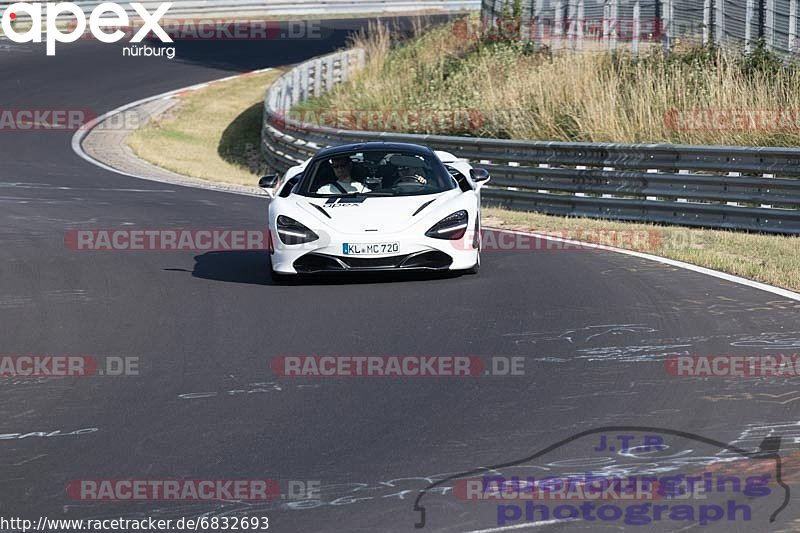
(214, 134)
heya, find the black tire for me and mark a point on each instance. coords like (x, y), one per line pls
(477, 266)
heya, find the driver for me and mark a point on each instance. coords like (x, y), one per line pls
(344, 184)
(410, 175)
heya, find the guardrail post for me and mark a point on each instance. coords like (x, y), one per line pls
(305, 88)
(793, 26)
(580, 167)
(295, 86)
(652, 171)
(734, 175)
(614, 6)
(558, 30)
(637, 27)
(329, 73)
(768, 206)
(666, 17)
(571, 30)
(286, 98)
(344, 68)
(719, 24)
(683, 172)
(544, 191)
(769, 25)
(610, 23)
(317, 77)
(608, 169)
(537, 15)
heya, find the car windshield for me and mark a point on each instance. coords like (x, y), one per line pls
(375, 173)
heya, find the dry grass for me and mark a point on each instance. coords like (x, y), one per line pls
(213, 135)
(596, 97)
(767, 258)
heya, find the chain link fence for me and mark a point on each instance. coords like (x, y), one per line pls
(583, 24)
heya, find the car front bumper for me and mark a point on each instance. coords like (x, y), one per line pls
(425, 254)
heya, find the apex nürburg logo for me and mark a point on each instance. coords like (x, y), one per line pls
(106, 16)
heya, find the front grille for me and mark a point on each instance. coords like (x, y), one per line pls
(431, 260)
(315, 262)
(373, 262)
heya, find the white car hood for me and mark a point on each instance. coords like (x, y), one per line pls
(373, 214)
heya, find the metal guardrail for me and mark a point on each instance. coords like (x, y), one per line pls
(710, 186)
(226, 8)
(575, 23)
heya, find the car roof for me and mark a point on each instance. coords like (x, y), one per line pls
(344, 148)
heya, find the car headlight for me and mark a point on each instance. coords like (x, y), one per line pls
(291, 231)
(450, 227)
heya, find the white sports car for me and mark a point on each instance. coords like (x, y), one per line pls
(375, 206)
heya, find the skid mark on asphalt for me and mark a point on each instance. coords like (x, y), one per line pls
(655, 349)
(632, 354)
(342, 494)
(252, 388)
(728, 306)
(47, 434)
(584, 334)
(760, 397)
(752, 435)
(771, 341)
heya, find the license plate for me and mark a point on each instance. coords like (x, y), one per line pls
(372, 248)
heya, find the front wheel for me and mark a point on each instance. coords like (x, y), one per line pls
(477, 243)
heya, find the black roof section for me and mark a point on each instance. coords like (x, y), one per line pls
(344, 148)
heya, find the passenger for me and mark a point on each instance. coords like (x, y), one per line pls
(344, 184)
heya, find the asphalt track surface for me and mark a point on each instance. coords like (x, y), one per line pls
(594, 329)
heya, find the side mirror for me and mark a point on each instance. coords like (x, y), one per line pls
(268, 182)
(479, 174)
(287, 188)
